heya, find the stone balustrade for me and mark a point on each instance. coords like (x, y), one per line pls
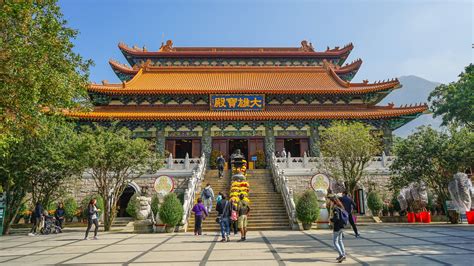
(193, 186)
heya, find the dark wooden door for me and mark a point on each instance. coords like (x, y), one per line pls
(279, 145)
(221, 145)
(304, 147)
(196, 148)
(170, 146)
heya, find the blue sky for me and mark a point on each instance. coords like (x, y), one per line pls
(430, 39)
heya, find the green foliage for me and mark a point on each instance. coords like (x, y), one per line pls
(155, 204)
(260, 164)
(374, 202)
(307, 207)
(213, 159)
(455, 101)
(171, 211)
(85, 203)
(395, 204)
(133, 206)
(432, 157)
(180, 196)
(70, 208)
(38, 67)
(114, 158)
(352, 145)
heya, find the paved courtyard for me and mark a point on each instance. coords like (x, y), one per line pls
(380, 244)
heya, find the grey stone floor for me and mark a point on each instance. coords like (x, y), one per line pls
(380, 244)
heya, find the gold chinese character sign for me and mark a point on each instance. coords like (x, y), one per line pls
(237, 102)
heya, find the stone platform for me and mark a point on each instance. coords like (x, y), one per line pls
(380, 244)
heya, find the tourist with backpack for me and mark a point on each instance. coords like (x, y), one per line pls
(243, 210)
(207, 195)
(349, 206)
(340, 218)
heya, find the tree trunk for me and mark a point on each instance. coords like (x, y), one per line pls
(107, 214)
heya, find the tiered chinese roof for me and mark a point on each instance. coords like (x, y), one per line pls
(324, 86)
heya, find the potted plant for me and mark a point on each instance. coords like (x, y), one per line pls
(374, 203)
(70, 208)
(171, 212)
(307, 209)
(260, 163)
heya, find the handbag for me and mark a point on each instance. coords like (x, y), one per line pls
(218, 219)
(233, 215)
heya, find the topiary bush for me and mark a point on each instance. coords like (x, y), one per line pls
(171, 211)
(70, 208)
(260, 163)
(155, 207)
(374, 203)
(133, 206)
(85, 204)
(307, 208)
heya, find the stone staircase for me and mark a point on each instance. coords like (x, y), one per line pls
(267, 208)
(218, 185)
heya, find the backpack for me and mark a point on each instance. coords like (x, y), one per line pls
(207, 193)
(345, 217)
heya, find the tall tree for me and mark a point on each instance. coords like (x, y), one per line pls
(114, 158)
(432, 157)
(39, 164)
(351, 146)
(38, 68)
(455, 101)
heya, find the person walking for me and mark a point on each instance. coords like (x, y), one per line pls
(219, 197)
(220, 165)
(234, 216)
(60, 214)
(92, 218)
(338, 226)
(37, 216)
(200, 214)
(223, 217)
(349, 206)
(207, 195)
(243, 210)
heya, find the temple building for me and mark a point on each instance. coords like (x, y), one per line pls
(194, 100)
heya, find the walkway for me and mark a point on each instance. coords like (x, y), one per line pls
(429, 245)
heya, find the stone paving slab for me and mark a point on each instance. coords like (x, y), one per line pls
(380, 244)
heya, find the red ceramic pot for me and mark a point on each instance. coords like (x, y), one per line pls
(470, 217)
(418, 217)
(426, 217)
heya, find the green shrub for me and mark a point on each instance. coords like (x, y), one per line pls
(70, 208)
(260, 163)
(171, 211)
(395, 204)
(133, 206)
(374, 203)
(307, 207)
(85, 204)
(155, 207)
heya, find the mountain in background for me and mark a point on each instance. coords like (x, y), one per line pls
(414, 90)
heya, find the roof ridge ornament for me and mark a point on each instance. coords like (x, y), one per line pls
(306, 47)
(168, 47)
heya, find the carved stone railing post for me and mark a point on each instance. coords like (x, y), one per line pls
(186, 161)
(305, 160)
(288, 159)
(170, 161)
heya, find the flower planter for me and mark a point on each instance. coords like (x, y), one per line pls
(410, 217)
(470, 217)
(426, 217)
(169, 229)
(307, 226)
(418, 217)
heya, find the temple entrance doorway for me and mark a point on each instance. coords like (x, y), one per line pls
(123, 201)
(241, 144)
(182, 147)
(296, 146)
